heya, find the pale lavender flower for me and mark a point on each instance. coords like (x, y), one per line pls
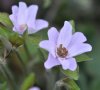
(64, 46)
(24, 17)
(34, 88)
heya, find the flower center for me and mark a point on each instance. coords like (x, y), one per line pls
(62, 51)
(23, 27)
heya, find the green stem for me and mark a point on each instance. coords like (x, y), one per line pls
(27, 51)
(20, 59)
(8, 76)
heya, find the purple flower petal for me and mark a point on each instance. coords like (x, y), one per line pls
(24, 17)
(51, 62)
(65, 34)
(13, 16)
(16, 27)
(65, 63)
(21, 13)
(40, 24)
(49, 46)
(74, 44)
(79, 48)
(34, 88)
(73, 64)
(53, 34)
(14, 10)
(32, 10)
(78, 37)
(68, 63)
(44, 44)
(12, 19)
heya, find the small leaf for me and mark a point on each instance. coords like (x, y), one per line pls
(28, 82)
(4, 31)
(25, 34)
(15, 39)
(4, 19)
(22, 54)
(83, 57)
(70, 84)
(73, 25)
(6, 43)
(71, 74)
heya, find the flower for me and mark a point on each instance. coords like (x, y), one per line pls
(24, 17)
(64, 46)
(34, 88)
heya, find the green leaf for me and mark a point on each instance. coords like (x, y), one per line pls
(22, 54)
(73, 25)
(25, 34)
(15, 39)
(8, 76)
(70, 84)
(4, 31)
(6, 43)
(72, 74)
(28, 82)
(4, 19)
(83, 57)
(3, 86)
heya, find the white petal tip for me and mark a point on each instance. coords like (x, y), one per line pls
(52, 28)
(89, 47)
(73, 69)
(35, 6)
(46, 24)
(10, 16)
(22, 3)
(34, 88)
(46, 66)
(40, 44)
(14, 7)
(67, 22)
(64, 68)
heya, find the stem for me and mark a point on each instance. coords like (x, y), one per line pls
(27, 51)
(8, 76)
(50, 79)
(20, 59)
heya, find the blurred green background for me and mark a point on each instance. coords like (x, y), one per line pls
(86, 14)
